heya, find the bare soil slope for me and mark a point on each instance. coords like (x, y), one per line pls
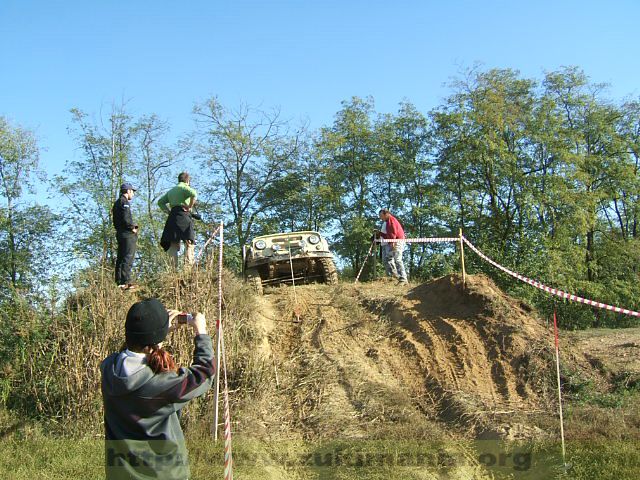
(378, 360)
(437, 364)
(482, 355)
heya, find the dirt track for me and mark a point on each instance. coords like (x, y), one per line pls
(369, 358)
(617, 350)
(435, 364)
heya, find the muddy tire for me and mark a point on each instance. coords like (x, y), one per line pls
(254, 280)
(329, 272)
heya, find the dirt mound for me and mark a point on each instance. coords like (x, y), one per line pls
(429, 361)
(473, 340)
(337, 374)
(483, 358)
(377, 359)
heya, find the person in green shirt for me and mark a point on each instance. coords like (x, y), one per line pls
(178, 203)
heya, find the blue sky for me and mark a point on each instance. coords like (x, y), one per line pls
(303, 56)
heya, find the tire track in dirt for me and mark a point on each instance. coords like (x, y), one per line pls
(362, 354)
(474, 347)
(472, 356)
(359, 365)
(429, 346)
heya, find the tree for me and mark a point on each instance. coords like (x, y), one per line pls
(91, 183)
(484, 160)
(348, 150)
(300, 200)
(153, 160)
(23, 228)
(405, 180)
(245, 152)
(590, 154)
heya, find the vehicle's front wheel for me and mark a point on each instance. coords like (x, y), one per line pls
(329, 272)
(253, 279)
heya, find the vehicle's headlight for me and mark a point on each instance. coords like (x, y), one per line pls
(313, 239)
(275, 248)
(261, 244)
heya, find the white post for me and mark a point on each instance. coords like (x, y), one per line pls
(228, 456)
(296, 311)
(464, 273)
(216, 392)
(555, 328)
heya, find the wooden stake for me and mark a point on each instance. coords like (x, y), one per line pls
(464, 273)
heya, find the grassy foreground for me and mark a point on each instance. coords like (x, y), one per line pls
(54, 459)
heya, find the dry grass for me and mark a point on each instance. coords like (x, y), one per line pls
(322, 370)
(60, 377)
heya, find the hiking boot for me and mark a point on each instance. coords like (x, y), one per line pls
(402, 281)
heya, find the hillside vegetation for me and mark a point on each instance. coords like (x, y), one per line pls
(374, 381)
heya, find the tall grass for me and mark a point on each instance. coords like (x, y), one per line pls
(50, 390)
(55, 376)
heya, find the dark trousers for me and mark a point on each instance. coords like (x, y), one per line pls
(124, 260)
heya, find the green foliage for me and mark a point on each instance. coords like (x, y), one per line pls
(542, 175)
(301, 199)
(246, 154)
(114, 149)
(26, 231)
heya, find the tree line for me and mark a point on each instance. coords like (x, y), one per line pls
(541, 174)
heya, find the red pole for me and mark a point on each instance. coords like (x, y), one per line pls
(216, 392)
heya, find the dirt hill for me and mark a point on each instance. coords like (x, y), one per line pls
(357, 369)
(373, 360)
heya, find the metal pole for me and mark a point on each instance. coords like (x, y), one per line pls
(555, 329)
(296, 311)
(364, 262)
(464, 273)
(376, 249)
(216, 392)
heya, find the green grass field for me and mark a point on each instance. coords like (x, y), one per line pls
(58, 459)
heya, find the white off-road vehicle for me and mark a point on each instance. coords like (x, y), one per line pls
(283, 258)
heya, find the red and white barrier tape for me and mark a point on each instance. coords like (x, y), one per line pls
(419, 240)
(221, 355)
(522, 278)
(216, 393)
(552, 291)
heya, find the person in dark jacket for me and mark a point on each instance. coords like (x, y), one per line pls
(126, 235)
(143, 392)
(178, 203)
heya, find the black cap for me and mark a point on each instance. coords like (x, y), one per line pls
(127, 186)
(147, 323)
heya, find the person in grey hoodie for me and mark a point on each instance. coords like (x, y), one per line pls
(143, 392)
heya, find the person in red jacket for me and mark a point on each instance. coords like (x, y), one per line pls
(392, 230)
